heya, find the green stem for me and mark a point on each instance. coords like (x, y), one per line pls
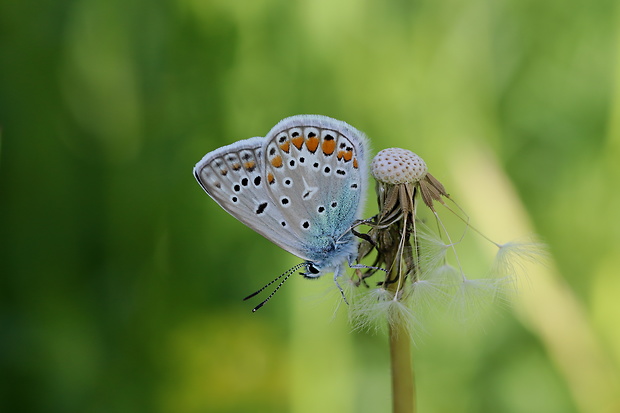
(403, 387)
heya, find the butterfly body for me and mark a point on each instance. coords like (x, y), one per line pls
(302, 187)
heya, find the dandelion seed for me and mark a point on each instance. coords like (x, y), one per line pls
(423, 298)
(512, 257)
(367, 311)
(476, 298)
(432, 250)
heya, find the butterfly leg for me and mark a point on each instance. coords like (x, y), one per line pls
(355, 266)
(336, 275)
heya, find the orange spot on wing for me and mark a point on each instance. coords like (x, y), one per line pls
(236, 166)
(348, 155)
(224, 172)
(277, 161)
(329, 146)
(340, 155)
(270, 178)
(298, 141)
(285, 146)
(249, 166)
(312, 144)
(355, 165)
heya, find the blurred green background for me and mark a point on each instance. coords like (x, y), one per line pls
(121, 281)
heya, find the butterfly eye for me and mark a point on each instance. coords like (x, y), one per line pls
(312, 269)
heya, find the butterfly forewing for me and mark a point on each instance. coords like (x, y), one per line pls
(315, 178)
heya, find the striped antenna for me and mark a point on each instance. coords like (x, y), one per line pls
(286, 276)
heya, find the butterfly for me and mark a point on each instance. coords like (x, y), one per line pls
(302, 187)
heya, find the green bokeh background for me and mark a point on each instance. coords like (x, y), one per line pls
(121, 280)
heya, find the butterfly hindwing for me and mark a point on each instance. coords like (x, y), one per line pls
(232, 176)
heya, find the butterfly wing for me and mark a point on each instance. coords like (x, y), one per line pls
(234, 177)
(316, 174)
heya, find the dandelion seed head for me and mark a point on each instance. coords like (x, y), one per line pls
(398, 166)
(424, 273)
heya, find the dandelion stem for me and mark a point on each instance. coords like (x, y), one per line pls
(403, 386)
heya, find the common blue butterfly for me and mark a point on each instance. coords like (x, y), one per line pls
(302, 187)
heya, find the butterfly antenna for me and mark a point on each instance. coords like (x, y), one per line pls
(286, 276)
